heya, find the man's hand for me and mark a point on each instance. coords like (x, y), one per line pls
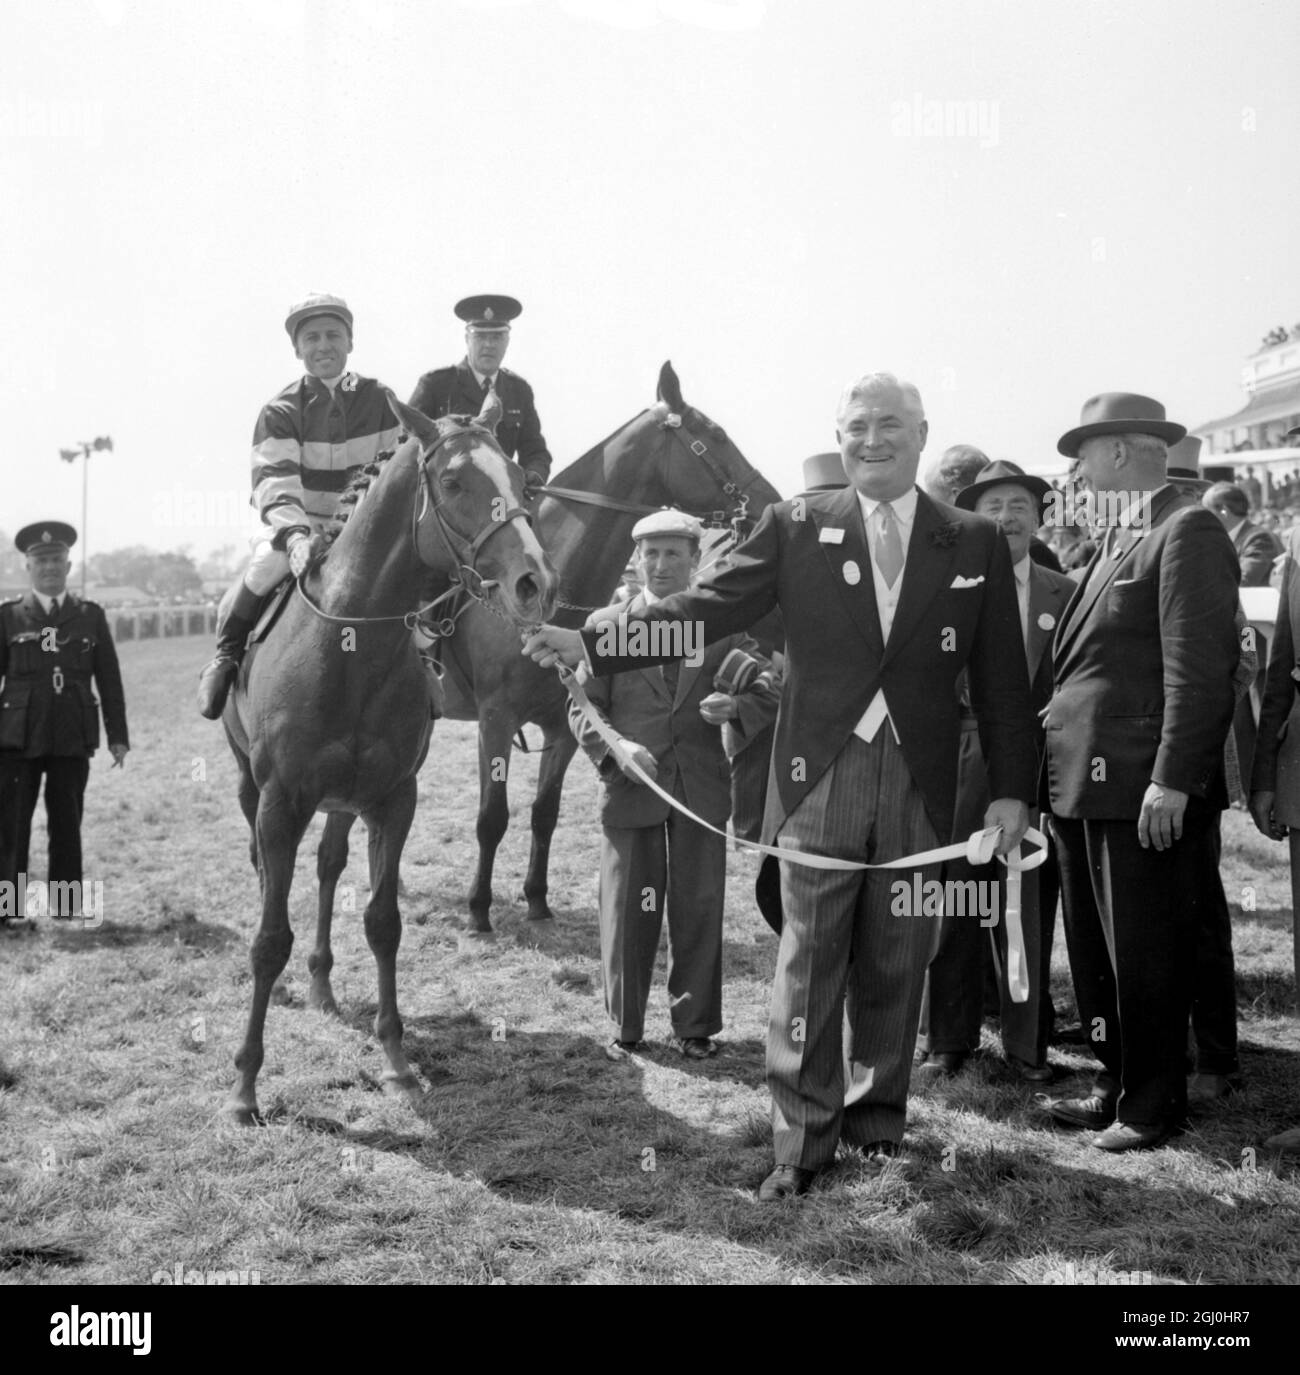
(119, 753)
(299, 547)
(1013, 816)
(630, 750)
(533, 484)
(552, 645)
(718, 707)
(1160, 821)
(1261, 811)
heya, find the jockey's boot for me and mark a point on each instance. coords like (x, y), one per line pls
(216, 678)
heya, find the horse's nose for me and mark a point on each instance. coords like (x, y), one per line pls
(540, 582)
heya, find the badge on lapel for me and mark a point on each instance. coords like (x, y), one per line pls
(852, 573)
(1047, 621)
(830, 534)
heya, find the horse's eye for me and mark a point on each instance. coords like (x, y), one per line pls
(449, 482)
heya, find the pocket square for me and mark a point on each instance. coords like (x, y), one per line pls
(959, 581)
(1125, 582)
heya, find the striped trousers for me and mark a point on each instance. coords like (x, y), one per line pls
(848, 968)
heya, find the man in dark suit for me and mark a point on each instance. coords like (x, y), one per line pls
(653, 860)
(52, 645)
(1144, 662)
(887, 596)
(461, 389)
(953, 1007)
(1257, 548)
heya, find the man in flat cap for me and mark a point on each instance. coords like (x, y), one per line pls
(53, 646)
(460, 390)
(309, 442)
(887, 596)
(953, 1009)
(1144, 660)
(654, 860)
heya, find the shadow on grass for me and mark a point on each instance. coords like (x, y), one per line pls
(185, 931)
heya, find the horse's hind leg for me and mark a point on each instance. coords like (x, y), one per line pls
(279, 830)
(331, 860)
(389, 824)
(494, 732)
(559, 749)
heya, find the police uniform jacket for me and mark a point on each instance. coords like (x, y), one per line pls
(455, 391)
(51, 670)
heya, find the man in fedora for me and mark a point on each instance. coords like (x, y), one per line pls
(53, 647)
(310, 441)
(953, 1009)
(461, 389)
(887, 596)
(1144, 659)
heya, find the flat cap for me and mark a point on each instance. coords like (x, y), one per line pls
(667, 524)
(317, 304)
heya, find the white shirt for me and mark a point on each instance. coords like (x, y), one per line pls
(1021, 570)
(904, 509)
(481, 377)
(47, 602)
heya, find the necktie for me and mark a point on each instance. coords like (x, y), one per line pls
(671, 672)
(889, 547)
(487, 385)
(54, 608)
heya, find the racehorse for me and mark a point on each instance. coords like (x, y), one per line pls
(332, 714)
(669, 455)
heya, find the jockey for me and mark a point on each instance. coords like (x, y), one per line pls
(309, 442)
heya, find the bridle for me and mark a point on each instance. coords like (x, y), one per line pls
(737, 518)
(467, 578)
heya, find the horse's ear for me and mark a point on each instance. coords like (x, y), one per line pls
(490, 413)
(416, 422)
(670, 389)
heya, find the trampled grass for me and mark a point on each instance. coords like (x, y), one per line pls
(532, 1158)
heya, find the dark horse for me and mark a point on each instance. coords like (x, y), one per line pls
(332, 712)
(669, 455)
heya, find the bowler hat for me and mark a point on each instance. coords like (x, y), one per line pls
(50, 535)
(317, 304)
(824, 473)
(1119, 412)
(1001, 474)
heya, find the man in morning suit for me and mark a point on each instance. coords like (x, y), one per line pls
(887, 596)
(953, 1007)
(653, 860)
(461, 389)
(52, 646)
(1257, 548)
(1144, 662)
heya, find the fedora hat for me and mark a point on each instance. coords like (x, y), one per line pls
(1119, 412)
(1001, 474)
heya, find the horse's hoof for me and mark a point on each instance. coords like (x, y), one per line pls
(242, 1115)
(540, 913)
(327, 1006)
(403, 1086)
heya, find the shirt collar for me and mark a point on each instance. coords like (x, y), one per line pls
(904, 507)
(1021, 570)
(480, 377)
(1235, 530)
(47, 601)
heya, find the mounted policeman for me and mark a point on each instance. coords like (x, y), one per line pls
(53, 645)
(462, 389)
(309, 442)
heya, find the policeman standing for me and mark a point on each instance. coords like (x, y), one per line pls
(460, 390)
(52, 644)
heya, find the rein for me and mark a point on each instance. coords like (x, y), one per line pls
(466, 579)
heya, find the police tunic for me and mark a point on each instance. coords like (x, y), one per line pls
(50, 668)
(455, 391)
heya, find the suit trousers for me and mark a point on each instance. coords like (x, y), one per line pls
(65, 790)
(953, 1007)
(677, 867)
(1214, 987)
(1132, 921)
(840, 935)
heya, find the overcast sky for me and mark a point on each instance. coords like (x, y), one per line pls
(1016, 205)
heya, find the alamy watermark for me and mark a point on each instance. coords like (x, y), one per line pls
(79, 902)
(660, 640)
(917, 897)
(922, 118)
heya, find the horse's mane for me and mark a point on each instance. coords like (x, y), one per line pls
(360, 482)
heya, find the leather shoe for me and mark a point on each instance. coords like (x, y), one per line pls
(942, 1064)
(624, 1050)
(1031, 1074)
(1208, 1088)
(697, 1048)
(878, 1152)
(785, 1181)
(1133, 1136)
(1092, 1113)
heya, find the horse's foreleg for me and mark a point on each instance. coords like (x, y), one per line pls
(560, 746)
(279, 830)
(494, 733)
(331, 860)
(248, 797)
(389, 824)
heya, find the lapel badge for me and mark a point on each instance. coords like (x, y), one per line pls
(852, 573)
(1047, 621)
(830, 534)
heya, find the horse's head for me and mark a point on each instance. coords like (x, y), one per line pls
(471, 522)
